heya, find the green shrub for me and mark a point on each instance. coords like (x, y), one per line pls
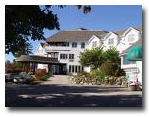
(110, 69)
(98, 76)
(120, 72)
(46, 76)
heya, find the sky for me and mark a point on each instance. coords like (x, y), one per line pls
(101, 17)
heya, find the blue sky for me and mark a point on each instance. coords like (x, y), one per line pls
(104, 17)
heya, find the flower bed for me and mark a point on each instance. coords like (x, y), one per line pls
(96, 77)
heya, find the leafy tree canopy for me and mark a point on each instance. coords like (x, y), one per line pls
(25, 49)
(112, 55)
(96, 56)
(93, 58)
(24, 22)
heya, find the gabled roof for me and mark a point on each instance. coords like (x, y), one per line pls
(107, 36)
(83, 35)
(138, 28)
(42, 44)
(120, 32)
(37, 59)
(139, 42)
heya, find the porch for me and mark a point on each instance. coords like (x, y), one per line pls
(30, 62)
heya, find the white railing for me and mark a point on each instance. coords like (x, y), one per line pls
(63, 48)
(57, 48)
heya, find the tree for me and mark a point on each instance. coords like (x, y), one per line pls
(96, 57)
(24, 22)
(7, 63)
(17, 65)
(93, 58)
(13, 67)
(25, 49)
(112, 55)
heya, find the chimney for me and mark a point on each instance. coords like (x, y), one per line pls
(81, 28)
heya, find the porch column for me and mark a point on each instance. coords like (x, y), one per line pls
(34, 68)
(49, 68)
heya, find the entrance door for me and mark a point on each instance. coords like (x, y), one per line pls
(55, 69)
(59, 69)
(62, 69)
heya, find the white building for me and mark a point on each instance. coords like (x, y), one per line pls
(133, 69)
(123, 41)
(67, 46)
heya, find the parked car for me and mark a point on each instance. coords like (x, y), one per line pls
(9, 77)
(22, 78)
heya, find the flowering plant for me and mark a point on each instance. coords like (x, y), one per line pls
(133, 82)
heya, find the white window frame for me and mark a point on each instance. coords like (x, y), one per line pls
(111, 41)
(82, 44)
(74, 44)
(94, 44)
(131, 38)
(71, 56)
(63, 56)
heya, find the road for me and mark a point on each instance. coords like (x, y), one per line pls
(56, 95)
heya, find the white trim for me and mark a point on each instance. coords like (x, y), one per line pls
(106, 37)
(128, 30)
(39, 46)
(93, 38)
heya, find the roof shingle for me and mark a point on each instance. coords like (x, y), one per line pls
(37, 59)
(83, 35)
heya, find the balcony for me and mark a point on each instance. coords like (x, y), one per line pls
(58, 48)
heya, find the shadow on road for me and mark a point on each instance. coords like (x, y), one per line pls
(68, 96)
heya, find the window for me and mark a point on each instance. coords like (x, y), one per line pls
(76, 69)
(63, 56)
(94, 44)
(54, 55)
(131, 38)
(69, 68)
(126, 61)
(73, 68)
(79, 68)
(111, 41)
(71, 56)
(64, 68)
(82, 68)
(66, 44)
(74, 44)
(82, 45)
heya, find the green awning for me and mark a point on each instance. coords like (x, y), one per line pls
(135, 53)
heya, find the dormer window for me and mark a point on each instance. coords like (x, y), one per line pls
(94, 44)
(131, 38)
(111, 41)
